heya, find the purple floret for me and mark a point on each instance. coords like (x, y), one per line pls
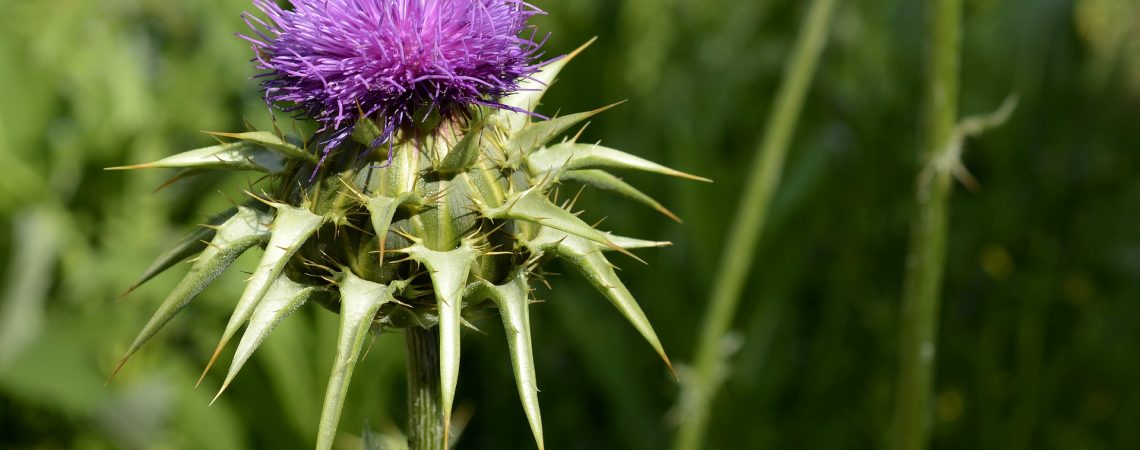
(334, 60)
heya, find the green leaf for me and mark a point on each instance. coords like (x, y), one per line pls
(449, 271)
(586, 256)
(228, 156)
(532, 206)
(366, 132)
(291, 228)
(513, 301)
(359, 301)
(381, 209)
(531, 90)
(465, 152)
(548, 236)
(629, 243)
(247, 228)
(535, 135)
(190, 244)
(283, 297)
(401, 176)
(606, 181)
(273, 142)
(575, 156)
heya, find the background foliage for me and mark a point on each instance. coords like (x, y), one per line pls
(1040, 320)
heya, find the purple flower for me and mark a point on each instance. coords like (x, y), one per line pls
(337, 61)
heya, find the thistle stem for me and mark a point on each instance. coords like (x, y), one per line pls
(736, 260)
(918, 319)
(425, 403)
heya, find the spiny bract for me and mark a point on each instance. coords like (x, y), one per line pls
(453, 228)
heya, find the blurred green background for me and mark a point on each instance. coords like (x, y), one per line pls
(1040, 327)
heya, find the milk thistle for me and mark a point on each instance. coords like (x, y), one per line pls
(427, 197)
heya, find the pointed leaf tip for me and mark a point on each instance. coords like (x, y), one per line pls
(532, 206)
(229, 156)
(449, 271)
(629, 243)
(365, 132)
(513, 302)
(283, 297)
(465, 152)
(245, 229)
(535, 135)
(291, 228)
(575, 156)
(531, 90)
(592, 264)
(360, 300)
(603, 180)
(188, 245)
(272, 142)
(381, 210)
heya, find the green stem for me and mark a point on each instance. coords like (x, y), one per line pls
(425, 403)
(736, 260)
(924, 264)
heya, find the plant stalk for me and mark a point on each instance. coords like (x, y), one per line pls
(425, 402)
(736, 260)
(918, 319)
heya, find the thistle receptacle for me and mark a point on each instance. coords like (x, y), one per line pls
(425, 196)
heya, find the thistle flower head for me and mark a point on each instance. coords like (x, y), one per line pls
(337, 61)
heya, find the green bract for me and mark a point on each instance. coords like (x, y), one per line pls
(453, 227)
